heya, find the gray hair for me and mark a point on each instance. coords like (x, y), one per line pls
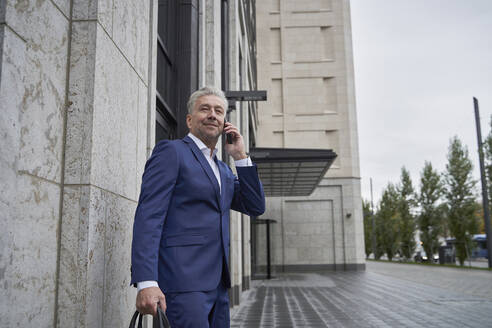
(205, 91)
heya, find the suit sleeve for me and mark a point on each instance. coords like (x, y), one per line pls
(249, 197)
(158, 182)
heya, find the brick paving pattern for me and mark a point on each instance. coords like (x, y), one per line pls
(386, 295)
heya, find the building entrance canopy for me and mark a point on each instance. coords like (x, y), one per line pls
(291, 171)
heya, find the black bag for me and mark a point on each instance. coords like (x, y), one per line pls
(160, 320)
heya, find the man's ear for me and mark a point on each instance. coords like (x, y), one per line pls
(188, 121)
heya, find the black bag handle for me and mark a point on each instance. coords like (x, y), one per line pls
(134, 320)
(160, 320)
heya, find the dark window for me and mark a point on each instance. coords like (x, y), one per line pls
(177, 71)
(166, 124)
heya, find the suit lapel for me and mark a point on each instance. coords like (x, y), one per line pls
(205, 166)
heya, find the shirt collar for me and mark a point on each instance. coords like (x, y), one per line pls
(203, 148)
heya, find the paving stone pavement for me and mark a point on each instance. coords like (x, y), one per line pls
(385, 295)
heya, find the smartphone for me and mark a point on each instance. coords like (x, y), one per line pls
(228, 135)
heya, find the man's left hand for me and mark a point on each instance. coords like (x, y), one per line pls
(236, 149)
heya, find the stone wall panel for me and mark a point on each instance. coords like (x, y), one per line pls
(45, 30)
(98, 10)
(32, 99)
(30, 275)
(101, 205)
(73, 257)
(119, 296)
(78, 151)
(95, 260)
(3, 5)
(142, 14)
(131, 33)
(82, 259)
(114, 121)
(85, 9)
(12, 51)
(142, 131)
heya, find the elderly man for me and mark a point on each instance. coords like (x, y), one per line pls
(180, 250)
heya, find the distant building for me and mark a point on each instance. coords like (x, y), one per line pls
(305, 63)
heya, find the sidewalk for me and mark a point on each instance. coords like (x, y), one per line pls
(386, 295)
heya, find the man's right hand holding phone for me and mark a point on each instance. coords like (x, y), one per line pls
(236, 149)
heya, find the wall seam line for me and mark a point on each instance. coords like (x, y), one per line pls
(121, 52)
(61, 11)
(100, 188)
(13, 31)
(24, 172)
(84, 20)
(105, 241)
(62, 175)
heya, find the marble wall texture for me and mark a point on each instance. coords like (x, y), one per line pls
(305, 63)
(77, 81)
(34, 53)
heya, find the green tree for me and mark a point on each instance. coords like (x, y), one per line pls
(379, 234)
(406, 204)
(367, 213)
(479, 215)
(431, 214)
(460, 198)
(388, 222)
(487, 149)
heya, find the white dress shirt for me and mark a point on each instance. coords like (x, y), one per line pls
(209, 155)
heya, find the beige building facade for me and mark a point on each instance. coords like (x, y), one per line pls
(305, 63)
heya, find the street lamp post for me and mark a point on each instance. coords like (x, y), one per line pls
(373, 225)
(485, 197)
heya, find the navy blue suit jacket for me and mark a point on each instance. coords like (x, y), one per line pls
(181, 228)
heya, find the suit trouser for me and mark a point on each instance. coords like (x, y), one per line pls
(199, 309)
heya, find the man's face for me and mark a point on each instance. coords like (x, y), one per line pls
(207, 119)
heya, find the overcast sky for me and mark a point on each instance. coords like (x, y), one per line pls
(418, 63)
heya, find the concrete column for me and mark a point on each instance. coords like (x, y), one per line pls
(109, 122)
(235, 237)
(212, 43)
(235, 223)
(246, 246)
(210, 64)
